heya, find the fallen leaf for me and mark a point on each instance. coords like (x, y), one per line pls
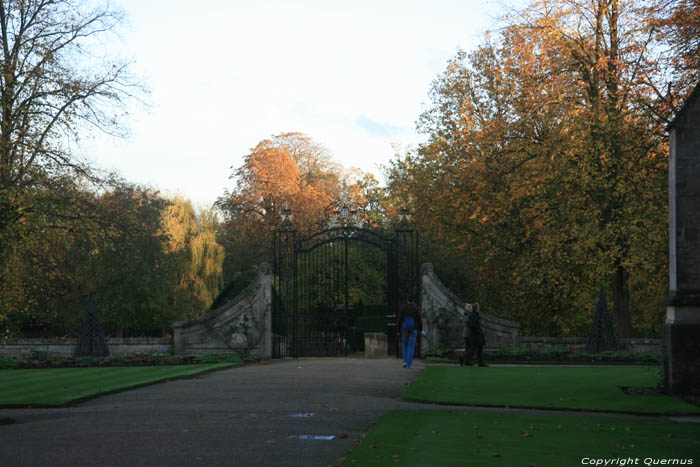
(496, 454)
(343, 436)
(531, 464)
(372, 446)
(356, 442)
(627, 428)
(479, 435)
(476, 427)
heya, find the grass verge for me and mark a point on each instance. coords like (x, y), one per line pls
(547, 387)
(60, 386)
(437, 438)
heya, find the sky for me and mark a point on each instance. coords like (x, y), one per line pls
(224, 75)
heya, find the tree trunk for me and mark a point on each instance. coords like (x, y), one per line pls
(621, 302)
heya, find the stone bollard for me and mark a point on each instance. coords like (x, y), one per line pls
(376, 345)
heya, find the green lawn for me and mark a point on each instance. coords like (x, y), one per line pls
(437, 438)
(60, 386)
(579, 388)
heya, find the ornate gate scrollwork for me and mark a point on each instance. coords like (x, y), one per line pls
(311, 304)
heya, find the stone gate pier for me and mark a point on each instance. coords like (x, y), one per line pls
(242, 324)
(442, 313)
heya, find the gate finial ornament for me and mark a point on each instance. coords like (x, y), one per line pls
(404, 215)
(287, 216)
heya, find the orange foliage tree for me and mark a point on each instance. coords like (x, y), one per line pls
(288, 170)
(546, 166)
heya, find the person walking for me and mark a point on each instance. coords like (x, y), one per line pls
(474, 340)
(409, 326)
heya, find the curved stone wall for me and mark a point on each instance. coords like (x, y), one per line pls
(242, 324)
(442, 318)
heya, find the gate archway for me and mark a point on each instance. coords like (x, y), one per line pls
(313, 275)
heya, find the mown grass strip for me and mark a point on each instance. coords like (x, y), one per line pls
(577, 388)
(454, 438)
(61, 386)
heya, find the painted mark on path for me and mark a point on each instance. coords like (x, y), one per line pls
(318, 437)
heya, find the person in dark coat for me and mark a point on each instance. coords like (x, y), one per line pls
(474, 340)
(409, 324)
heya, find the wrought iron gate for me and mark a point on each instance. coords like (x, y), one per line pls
(311, 307)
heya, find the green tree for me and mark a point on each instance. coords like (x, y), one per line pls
(192, 237)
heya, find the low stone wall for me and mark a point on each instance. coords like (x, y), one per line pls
(442, 313)
(577, 344)
(243, 324)
(65, 347)
(376, 345)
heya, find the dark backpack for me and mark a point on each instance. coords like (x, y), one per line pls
(408, 324)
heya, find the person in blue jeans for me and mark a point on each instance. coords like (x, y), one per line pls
(409, 326)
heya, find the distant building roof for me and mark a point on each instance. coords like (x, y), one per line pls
(694, 95)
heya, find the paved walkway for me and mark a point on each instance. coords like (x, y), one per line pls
(236, 417)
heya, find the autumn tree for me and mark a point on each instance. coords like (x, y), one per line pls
(54, 84)
(288, 170)
(545, 164)
(678, 25)
(109, 244)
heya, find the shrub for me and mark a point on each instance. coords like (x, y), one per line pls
(118, 358)
(7, 362)
(85, 361)
(234, 358)
(557, 352)
(171, 359)
(210, 358)
(41, 355)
